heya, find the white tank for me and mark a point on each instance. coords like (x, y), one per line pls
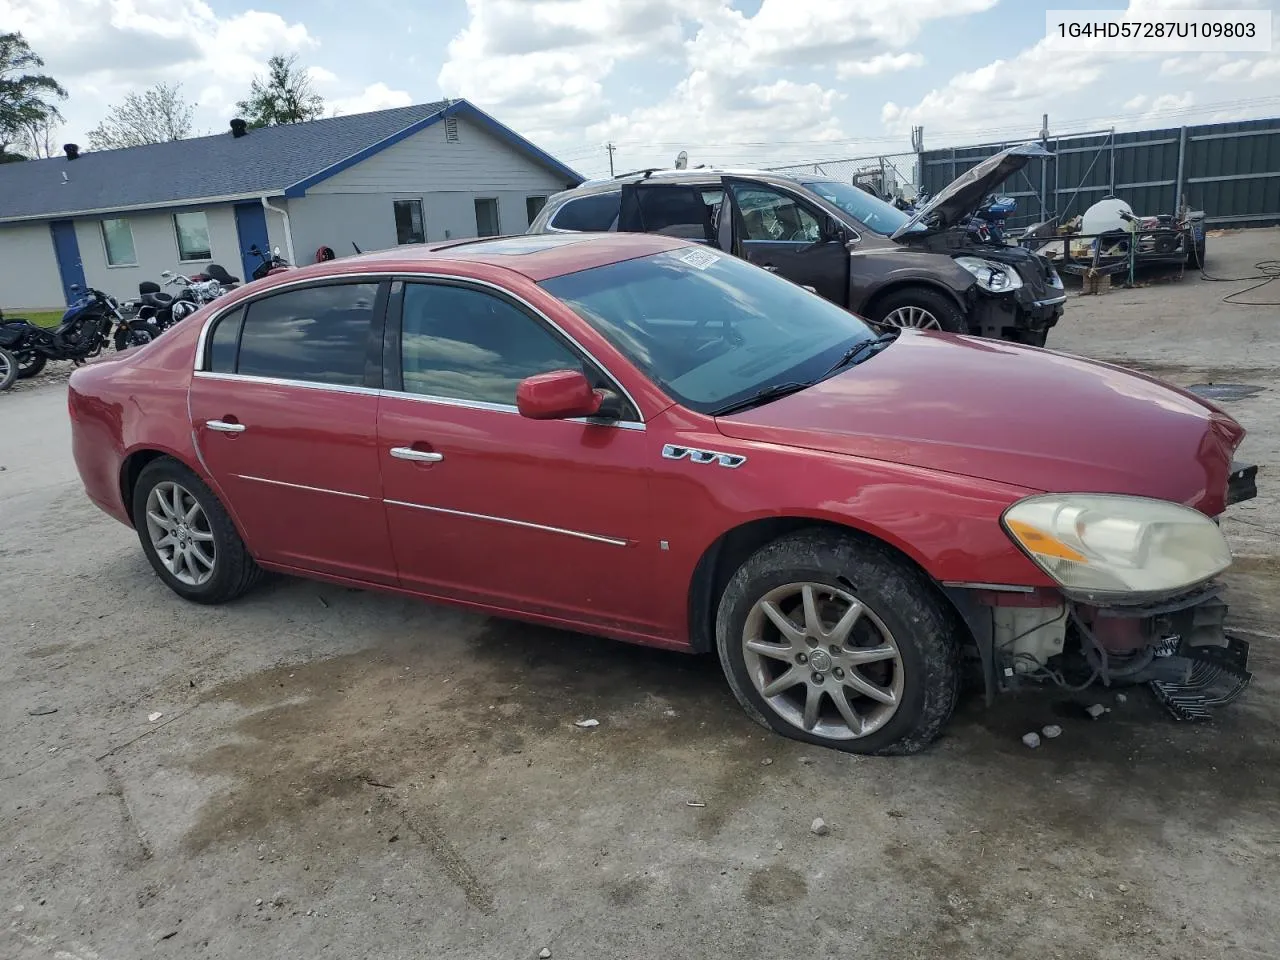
(1104, 216)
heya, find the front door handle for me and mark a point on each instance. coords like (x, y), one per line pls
(222, 426)
(770, 267)
(422, 456)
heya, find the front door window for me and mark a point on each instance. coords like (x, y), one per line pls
(771, 215)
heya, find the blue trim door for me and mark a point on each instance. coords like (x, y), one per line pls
(251, 230)
(67, 249)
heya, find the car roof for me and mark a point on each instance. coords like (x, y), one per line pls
(696, 175)
(535, 256)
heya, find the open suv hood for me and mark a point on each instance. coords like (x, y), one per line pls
(965, 193)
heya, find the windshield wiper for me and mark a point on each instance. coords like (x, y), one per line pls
(862, 351)
(772, 392)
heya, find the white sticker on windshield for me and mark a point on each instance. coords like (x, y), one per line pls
(701, 259)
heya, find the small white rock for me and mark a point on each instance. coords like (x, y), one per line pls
(258, 902)
(153, 717)
(1096, 710)
(1121, 698)
(586, 724)
(766, 761)
(1031, 740)
(819, 827)
(778, 845)
(545, 953)
(373, 898)
(1052, 731)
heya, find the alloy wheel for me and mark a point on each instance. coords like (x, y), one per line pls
(180, 533)
(917, 317)
(823, 661)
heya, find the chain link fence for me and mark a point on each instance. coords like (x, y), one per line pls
(890, 175)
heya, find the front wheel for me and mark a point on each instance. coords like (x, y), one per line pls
(30, 363)
(8, 369)
(137, 334)
(919, 308)
(833, 639)
(189, 537)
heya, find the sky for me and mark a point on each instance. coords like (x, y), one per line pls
(741, 82)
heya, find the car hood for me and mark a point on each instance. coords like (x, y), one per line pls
(964, 194)
(1033, 418)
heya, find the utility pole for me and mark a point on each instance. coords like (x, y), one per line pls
(610, 147)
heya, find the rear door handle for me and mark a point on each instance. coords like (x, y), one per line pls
(422, 456)
(770, 267)
(222, 426)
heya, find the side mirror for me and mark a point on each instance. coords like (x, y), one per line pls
(558, 395)
(166, 274)
(835, 231)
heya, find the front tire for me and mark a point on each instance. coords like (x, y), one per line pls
(8, 369)
(136, 334)
(833, 639)
(189, 537)
(919, 308)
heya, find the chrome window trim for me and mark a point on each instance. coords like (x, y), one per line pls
(302, 486)
(594, 537)
(415, 397)
(198, 367)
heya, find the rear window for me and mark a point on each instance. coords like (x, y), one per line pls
(594, 213)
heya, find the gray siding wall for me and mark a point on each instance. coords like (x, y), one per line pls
(29, 278)
(155, 245)
(356, 205)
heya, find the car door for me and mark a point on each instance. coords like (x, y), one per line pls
(487, 506)
(671, 209)
(780, 232)
(284, 409)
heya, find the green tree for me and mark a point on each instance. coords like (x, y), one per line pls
(284, 95)
(156, 115)
(25, 96)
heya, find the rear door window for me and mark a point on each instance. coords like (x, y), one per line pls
(674, 210)
(593, 213)
(316, 334)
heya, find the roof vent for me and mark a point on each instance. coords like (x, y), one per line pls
(451, 129)
(72, 150)
(239, 128)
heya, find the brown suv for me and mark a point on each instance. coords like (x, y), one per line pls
(892, 267)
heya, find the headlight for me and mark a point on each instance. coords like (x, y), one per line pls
(1096, 545)
(991, 276)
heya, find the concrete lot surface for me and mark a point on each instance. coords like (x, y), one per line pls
(339, 774)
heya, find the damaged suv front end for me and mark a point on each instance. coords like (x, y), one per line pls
(1018, 294)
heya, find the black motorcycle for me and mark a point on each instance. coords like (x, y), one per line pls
(270, 264)
(89, 324)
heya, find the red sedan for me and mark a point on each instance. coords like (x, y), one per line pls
(638, 437)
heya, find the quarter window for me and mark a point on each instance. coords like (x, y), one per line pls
(409, 225)
(117, 238)
(463, 344)
(193, 236)
(487, 218)
(594, 213)
(317, 334)
(768, 214)
(222, 342)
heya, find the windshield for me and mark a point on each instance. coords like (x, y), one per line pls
(710, 329)
(872, 212)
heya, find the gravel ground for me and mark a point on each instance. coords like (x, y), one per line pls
(326, 773)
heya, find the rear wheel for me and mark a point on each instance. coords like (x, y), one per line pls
(8, 369)
(919, 308)
(30, 363)
(188, 536)
(137, 334)
(835, 640)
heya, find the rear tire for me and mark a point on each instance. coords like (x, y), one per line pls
(8, 369)
(30, 364)
(902, 641)
(137, 334)
(919, 308)
(218, 567)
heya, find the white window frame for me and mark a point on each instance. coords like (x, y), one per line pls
(497, 216)
(177, 236)
(422, 218)
(106, 248)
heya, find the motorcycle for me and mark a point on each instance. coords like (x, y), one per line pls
(88, 325)
(270, 265)
(166, 309)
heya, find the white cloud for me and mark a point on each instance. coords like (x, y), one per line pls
(880, 63)
(376, 96)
